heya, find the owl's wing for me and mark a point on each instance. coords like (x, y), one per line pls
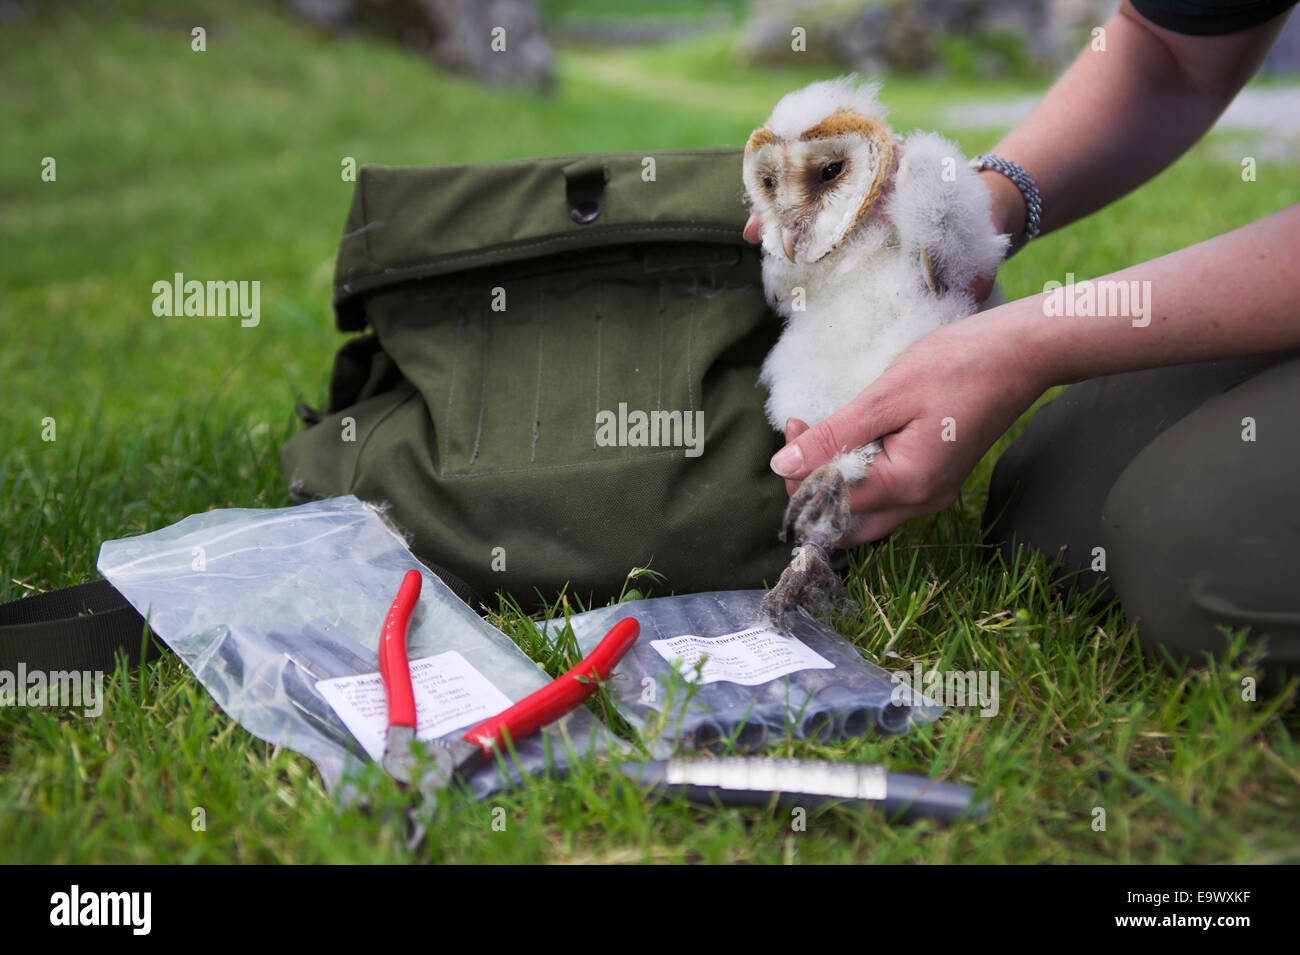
(934, 281)
(942, 212)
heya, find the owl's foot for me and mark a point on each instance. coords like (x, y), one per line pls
(807, 582)
(816, 517)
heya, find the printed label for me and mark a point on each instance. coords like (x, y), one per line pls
(748, 657)
(449, 694)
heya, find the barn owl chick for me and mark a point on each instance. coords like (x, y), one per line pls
(868, 244)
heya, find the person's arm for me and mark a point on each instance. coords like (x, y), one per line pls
(1118, 116)
(1234, 295)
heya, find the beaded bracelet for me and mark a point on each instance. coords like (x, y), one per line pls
(1022, 181)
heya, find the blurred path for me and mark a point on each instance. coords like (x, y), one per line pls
(1273, 111)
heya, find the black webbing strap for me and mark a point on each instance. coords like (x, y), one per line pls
(76, 628)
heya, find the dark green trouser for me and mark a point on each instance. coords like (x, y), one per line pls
(1199, 525)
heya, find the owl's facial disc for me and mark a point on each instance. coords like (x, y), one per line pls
(811, 192)
(844, 162)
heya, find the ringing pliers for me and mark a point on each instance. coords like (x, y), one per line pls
(461, 756)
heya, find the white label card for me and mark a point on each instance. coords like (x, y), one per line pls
(748, 657)
(449, 694)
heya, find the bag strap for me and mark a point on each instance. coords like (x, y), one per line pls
(82, 627)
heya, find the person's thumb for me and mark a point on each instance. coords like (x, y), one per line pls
(812, 447)
(793, 428)
(869, 416)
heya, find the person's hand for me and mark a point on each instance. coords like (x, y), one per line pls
(939, 406)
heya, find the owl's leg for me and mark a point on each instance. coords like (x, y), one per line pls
(818, 511)
(817, 516)
(808, 581)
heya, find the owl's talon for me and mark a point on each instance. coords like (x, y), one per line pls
(817, 516)
(807, 582)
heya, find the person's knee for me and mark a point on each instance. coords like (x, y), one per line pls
(1200, 533)
(1157, 542)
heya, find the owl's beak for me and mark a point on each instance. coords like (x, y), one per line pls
(787, 242)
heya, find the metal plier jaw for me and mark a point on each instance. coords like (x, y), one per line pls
(399, 756)
(446, 758)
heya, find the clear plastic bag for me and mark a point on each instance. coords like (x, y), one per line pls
(261, 604)
(840, 696)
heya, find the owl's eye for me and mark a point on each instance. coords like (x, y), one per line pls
(769, 183)
(831, 170)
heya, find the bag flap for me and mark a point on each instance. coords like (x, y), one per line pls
(412, 222)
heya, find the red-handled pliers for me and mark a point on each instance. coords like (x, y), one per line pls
(522, 719)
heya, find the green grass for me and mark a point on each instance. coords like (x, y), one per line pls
(226, 163)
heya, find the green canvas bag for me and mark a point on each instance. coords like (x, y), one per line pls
(527, 320)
